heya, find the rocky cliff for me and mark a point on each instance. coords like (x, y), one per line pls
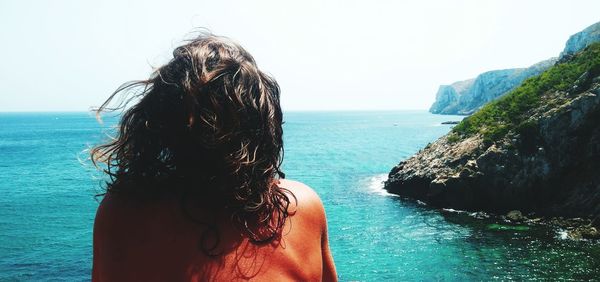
(536, 150)
(465, 97)
(581, 40)
(490, 85)
(447, 97)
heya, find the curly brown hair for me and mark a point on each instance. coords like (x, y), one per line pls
(209, 123)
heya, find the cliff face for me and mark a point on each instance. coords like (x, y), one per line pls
(582, 39)
(465, 97)
(536, 150)
(447, 97)
(494, 84)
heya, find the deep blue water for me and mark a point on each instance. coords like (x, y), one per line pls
(47, 203)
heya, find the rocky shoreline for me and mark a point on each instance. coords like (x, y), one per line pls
(574, 228)
(546, 164)
(571, 228)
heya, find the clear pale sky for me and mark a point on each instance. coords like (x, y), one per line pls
(326, 55)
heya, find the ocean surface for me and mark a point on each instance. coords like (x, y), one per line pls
(47, 204)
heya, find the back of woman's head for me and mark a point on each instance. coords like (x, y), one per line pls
(208, 122)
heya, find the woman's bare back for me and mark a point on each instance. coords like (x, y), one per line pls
(155, 241)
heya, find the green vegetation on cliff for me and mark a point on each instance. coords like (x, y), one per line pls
(512, 111)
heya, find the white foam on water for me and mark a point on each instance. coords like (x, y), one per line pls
(374, 185)
(454, 211)
(562, 234)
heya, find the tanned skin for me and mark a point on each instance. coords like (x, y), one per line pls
(152, 240)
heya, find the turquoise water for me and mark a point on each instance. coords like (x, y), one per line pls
(47, 204)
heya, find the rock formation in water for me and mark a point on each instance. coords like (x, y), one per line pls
(465, 97)
(536, 150)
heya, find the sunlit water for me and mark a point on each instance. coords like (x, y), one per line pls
(47, 204)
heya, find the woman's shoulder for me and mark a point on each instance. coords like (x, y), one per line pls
(302, 192)
(305, 200)
(299, 189)
(120, 213)
(313, 221)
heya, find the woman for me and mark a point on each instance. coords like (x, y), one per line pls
(196, 192)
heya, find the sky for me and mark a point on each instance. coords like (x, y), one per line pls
(326, 55)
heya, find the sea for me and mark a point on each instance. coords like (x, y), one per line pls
(48, 200)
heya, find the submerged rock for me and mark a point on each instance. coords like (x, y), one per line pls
(503, 227)
(584, 232)
(515, 215)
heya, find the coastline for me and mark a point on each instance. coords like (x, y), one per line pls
(572, 228)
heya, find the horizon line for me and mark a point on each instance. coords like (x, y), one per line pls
(285, 111)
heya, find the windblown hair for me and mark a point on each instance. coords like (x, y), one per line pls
(208, 121)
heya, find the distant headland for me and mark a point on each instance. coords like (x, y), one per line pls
(467, 96)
